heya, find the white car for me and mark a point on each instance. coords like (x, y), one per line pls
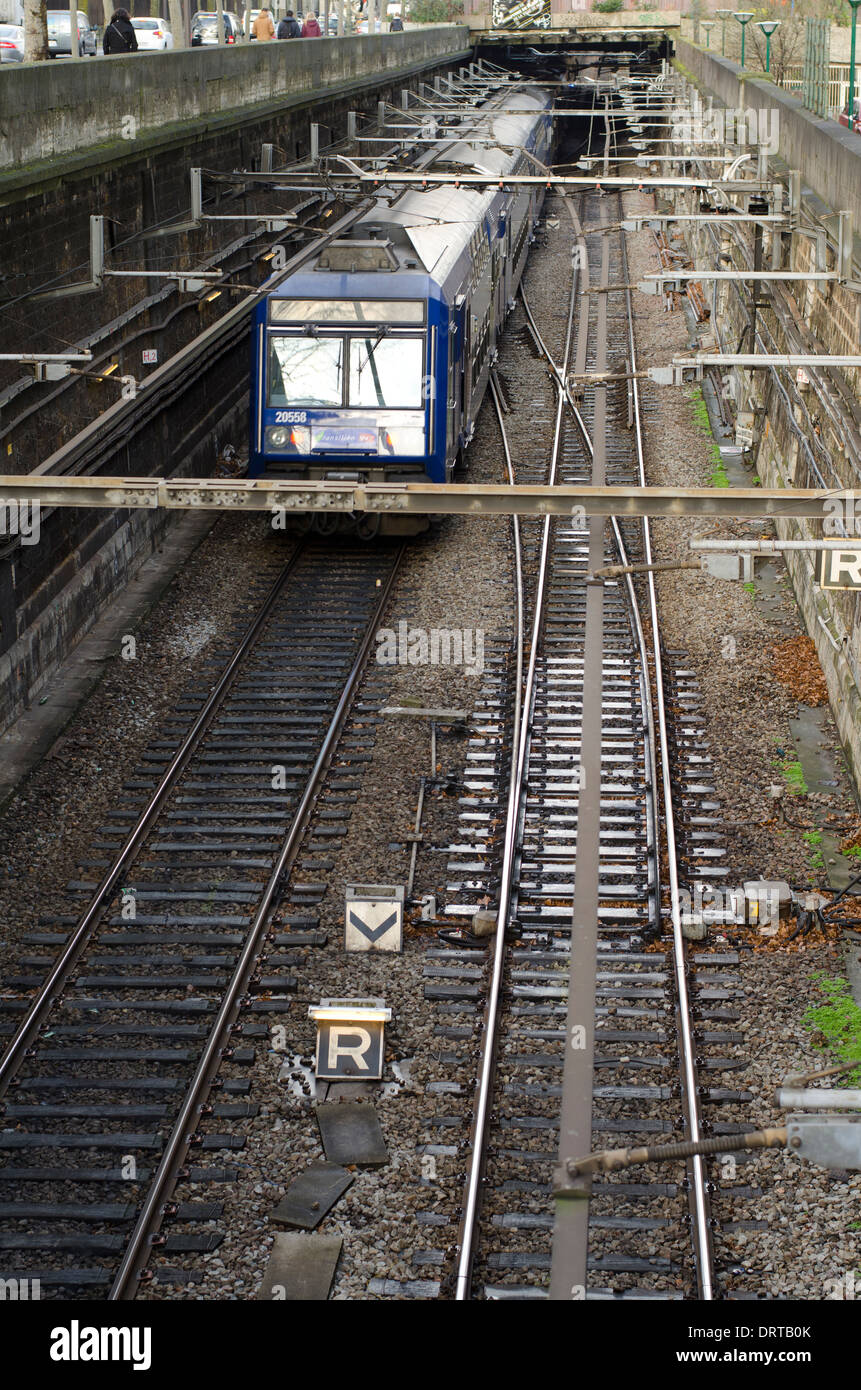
(152, 33)
(11, 43)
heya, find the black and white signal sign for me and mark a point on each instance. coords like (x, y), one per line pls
(374, 918)
(350, 1038)
(840, 569)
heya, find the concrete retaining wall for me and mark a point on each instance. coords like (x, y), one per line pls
(51, 109)
(828, 155)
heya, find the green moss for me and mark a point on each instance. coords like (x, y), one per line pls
(813, 839)
(702, 421)
(701, 410)
(793, 774)
(839, 1020)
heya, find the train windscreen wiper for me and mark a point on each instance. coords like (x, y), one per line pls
(369, 360)
(383, 330)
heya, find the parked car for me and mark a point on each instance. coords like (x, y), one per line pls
(248, 22)
(844, 114)
(152, 33)
(350, 25)
(11, 43)
(59, 30)
(204, 28)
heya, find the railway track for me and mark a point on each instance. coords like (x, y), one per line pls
(649, 1231)
(133, 1020)
(125, 1017)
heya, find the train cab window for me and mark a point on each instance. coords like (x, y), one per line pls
(305, 371)
(347, 311)
(386, 372)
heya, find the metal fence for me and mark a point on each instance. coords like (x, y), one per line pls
(838, 85)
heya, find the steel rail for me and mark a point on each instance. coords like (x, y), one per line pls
(182, 1134)
(703, 1245)
(652, 810)
(701, 1213)
(64, 965)
(570, 1238)
(518, 571)
(519, 749)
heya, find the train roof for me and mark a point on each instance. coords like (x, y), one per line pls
(428, 217)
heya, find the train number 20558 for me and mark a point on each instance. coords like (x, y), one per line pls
(291, 417)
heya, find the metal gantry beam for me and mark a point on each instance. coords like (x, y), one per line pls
(652, 284)
(398, 178)
(675, 372)
(48, 366)
(417, 499)
(637, 224)
(188, 281)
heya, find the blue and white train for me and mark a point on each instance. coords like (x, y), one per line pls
(371, 361)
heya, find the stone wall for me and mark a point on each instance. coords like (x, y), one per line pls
(51, 593)
(800, 439)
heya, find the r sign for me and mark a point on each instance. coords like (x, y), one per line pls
(350, 1039)
(840, 569)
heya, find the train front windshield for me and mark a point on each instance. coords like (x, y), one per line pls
(357, 388)
(382, 373)
(306, 371)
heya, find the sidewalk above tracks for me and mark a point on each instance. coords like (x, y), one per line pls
(828, 155)
(97, 107)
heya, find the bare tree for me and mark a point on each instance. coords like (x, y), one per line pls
(787, 42)
(35, 31)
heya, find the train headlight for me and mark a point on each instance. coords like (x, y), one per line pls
(295, 439)
(408, 440)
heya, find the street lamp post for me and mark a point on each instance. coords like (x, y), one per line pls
(852, 122)
(708, 25)
(768, 27)
(744, 17)
(724, 16)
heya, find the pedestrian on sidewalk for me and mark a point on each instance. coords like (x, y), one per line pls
(264, 29)
(289, 27)
(120, 36)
